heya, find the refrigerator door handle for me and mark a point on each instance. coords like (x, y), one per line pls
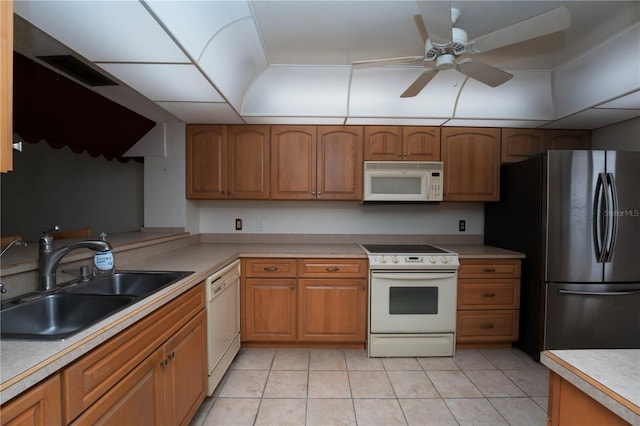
(600, 218)
(613, 217)
(598, 293)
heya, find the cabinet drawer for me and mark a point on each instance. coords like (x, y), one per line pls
(322, 268)
(489, 268)
(488, 294)
(270, 267)
(487, 326)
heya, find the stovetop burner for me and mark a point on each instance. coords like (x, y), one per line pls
(403, 249)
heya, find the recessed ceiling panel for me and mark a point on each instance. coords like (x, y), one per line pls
(630, 101)
(165, 82)
(526, 96)
(375, 92)
(193, 23)
(108, 31)
(594, 118)
(299, 91)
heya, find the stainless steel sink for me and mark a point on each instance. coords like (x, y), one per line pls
(57, 316)
(132, 283)
(78, 304)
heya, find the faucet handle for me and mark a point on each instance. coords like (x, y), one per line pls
(49, 231)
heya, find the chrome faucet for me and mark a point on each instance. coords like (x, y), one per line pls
(49, 258)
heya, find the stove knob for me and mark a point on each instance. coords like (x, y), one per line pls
(432, 259)
(445, 260)
(383, 259)
(394, 259)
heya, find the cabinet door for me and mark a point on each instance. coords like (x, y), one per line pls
(248, 162)
(206, 153)
(185, 371)
(421, 143)
(135, 400)
(293, 162)
(6, 86)
(519, 144)
(270, 310)
(568, 139)
(383, 143)
(471, 158)
(339, 170)
(332, 310)
(40, 405)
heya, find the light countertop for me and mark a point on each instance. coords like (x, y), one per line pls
(25, 363)
(609, 376)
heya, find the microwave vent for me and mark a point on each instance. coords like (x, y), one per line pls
(401, 165)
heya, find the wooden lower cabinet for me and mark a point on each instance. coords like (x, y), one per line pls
(569, 406)
(304, 301)
(488, 302)
(332, 310)
(40, 405)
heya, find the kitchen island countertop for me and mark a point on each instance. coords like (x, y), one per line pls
(609, 376)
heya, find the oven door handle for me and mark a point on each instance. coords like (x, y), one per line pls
(413, 277)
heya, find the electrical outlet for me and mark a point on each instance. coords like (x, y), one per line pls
(238, 224)
(260, 224)
(462, 225)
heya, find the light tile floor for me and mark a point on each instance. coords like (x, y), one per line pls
(345, 387)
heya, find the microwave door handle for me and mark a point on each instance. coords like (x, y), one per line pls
(413, 277)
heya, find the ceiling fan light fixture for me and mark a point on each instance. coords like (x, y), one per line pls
(445, 62)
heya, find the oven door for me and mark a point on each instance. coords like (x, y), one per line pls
(413, 302)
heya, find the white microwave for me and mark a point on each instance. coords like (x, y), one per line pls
(402, 181)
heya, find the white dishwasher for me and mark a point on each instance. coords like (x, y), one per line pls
(223, 321)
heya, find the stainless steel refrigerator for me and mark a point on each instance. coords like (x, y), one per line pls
(576, 216)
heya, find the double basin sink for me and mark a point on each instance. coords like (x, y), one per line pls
(78, 304)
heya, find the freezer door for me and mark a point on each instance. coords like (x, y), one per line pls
(592, 316)
(572, 180)
(623, 263)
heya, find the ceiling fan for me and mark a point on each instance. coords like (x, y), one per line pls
(446, 44)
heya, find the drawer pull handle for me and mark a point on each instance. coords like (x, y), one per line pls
(332, 269)
(486, 325)
(488, 269)
(487, 294)
(270, 268)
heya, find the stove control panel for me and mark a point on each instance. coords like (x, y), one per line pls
(436, 261)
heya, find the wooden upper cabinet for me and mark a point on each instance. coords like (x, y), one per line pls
(206, 161)
(382, 143)
(519, 144)
(568, 139)
(421, 143)
(395, 143)
(471, 162)
(339, 167)
(309, 162)
(6, 85)
(248, 162)
(293, 162)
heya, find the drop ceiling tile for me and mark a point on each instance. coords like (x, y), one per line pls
(108, 31)
(165, 82)
(594, 118)
(520, 124)
(338, 121)
(630, 101)
(203, 112)
(385, 121)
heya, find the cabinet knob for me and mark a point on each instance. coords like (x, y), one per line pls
(364, 287)
(488, 294)
(488, 269)
(164, 362)
(172, 355)
(486, 325)
(293, 286)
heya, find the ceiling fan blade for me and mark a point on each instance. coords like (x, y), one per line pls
(549, 22)
(421, 28)
(436, 16)
(417, 86)
(406, 60)
(484, 73)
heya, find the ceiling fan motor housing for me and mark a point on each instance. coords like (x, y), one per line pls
(456, 47)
